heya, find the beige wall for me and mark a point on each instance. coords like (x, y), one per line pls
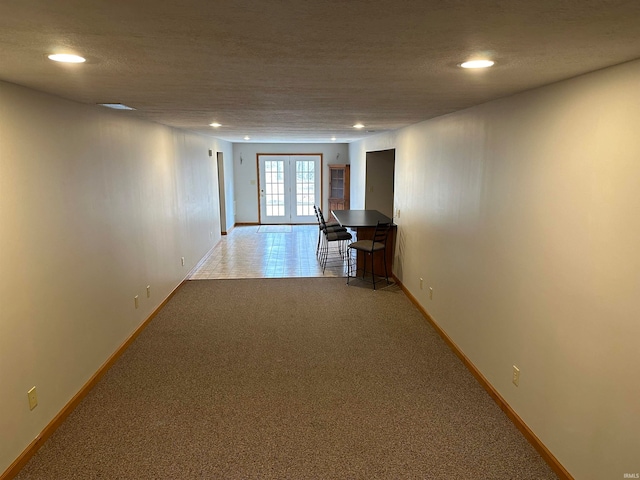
(524, 216)
(94, 206)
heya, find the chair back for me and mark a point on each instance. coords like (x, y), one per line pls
(315, 209)
(321, 220)
(381, 233)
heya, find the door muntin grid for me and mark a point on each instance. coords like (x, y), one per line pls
(305, 187)
(274, 188)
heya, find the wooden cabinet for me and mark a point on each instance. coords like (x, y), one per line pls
(339, 188)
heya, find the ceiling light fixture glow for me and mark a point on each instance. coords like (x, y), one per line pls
(333, 139)
(215, 124)
(358, 125)
(116, 106)
(477, 64)
(247, 137)
(66, 58)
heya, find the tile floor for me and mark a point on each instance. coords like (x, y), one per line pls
(268, 251)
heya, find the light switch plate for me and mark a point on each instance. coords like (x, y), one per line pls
(33, 398)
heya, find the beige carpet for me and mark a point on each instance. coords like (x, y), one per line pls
(287, 379)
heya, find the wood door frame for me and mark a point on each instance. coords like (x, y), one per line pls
(258, 155)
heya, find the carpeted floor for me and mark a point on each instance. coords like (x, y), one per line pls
(287, 379)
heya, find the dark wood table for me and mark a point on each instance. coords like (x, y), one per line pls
(360, 218)
(364, 223)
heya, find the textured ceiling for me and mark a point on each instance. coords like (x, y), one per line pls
(305, 71)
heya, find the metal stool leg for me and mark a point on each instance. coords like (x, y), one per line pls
(373, 271)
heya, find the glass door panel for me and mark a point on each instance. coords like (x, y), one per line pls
(273, 204)
(274, 188)
(307, 188)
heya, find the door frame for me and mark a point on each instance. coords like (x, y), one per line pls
(221, 193)
(258, 155)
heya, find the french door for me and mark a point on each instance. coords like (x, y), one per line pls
(290, 185)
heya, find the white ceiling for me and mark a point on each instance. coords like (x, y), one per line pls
(306, 70)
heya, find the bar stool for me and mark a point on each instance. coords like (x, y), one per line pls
(331, 234)
(368, 247)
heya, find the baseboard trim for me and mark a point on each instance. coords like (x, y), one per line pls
(531, 437)
(33, 447)
(247, 224)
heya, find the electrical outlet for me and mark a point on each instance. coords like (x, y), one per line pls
(135, 301)
(420, 283)
(148, 291)
(33, 398)
(182, 260)
(516, 376)
(430, 293)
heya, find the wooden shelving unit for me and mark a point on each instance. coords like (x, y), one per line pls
(339, 188)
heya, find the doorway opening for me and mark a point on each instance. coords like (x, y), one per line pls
(379, 181)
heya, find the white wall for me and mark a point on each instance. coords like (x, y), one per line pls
(246, 172)
(524, 216)
(94, 206)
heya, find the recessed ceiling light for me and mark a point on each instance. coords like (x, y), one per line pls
(215, 124)
(477, 64)
(116, 106)
(247, 137)
(358, 125)
(66, 58)
(333, 139)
